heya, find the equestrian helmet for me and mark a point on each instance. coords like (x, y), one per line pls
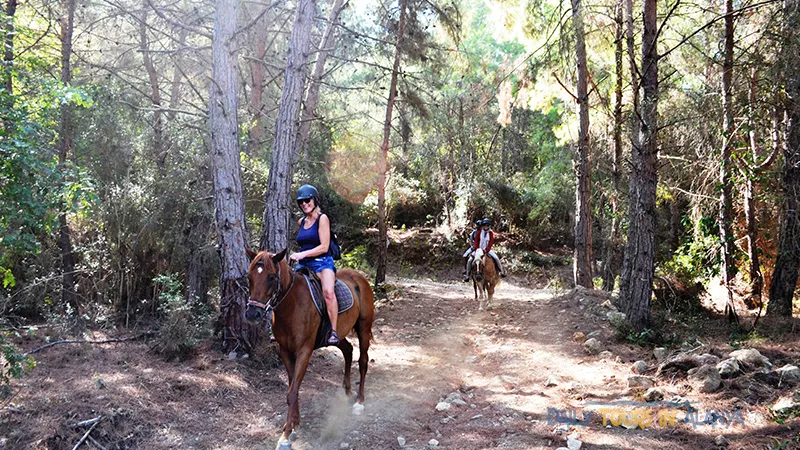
(307, 191)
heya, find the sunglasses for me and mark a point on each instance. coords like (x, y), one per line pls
(304, 200)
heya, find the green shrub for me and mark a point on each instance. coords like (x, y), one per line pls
(356, 259)
(13, 364)
(183, 326)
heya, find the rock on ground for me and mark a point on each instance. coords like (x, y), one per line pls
(639, 367)
(705, 378)
(729, 368)
(750, 357)
(592, 346)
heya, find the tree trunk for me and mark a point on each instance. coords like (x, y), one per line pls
(725, 228)
(582, 260)
(275, 233)
(8, 65)
(383, 237)
(611, 258)
(639, 264)
(257, 91)
(69, 298)
(159, 150)
(175, 89)
(784, 278)
(312, 95)
(229, 214)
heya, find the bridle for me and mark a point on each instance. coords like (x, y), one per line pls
(273, 302)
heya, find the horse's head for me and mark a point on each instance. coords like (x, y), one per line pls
(477, 263)
(265, 283)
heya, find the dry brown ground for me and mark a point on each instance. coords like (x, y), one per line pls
(431, 341)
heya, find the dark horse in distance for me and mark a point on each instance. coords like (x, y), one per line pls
(275, 288)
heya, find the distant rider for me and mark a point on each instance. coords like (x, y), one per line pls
(485, 240)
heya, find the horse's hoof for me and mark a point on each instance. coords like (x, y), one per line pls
(358, 409)
(292, 436)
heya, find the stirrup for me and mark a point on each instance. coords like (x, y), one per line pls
(333, 339)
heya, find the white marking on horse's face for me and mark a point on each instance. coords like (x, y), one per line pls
(260, 269)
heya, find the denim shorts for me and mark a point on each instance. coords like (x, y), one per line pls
(318, 264)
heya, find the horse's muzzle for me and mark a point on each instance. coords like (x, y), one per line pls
(254, 314)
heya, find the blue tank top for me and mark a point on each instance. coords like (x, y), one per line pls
(309, 238)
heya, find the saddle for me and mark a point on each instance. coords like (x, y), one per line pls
(344, 297)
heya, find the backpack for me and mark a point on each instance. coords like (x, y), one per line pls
(333, 246)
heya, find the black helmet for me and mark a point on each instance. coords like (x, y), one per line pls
(307, 191)
(486, 222)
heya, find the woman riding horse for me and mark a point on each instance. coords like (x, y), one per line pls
(314, 239)
(485, 240)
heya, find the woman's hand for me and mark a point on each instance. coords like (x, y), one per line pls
(296, 257)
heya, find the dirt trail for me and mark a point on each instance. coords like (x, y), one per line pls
(513, 366)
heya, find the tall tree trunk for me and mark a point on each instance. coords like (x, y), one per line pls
(175, 88)
(8, 65)
(275, 233)
(383, 237)
(312, 95)
(257, 91)
(751, 173)
(611, 259)
(68, 295)
(631, 46)
(639, 264)
(229, 216)
(784, 278)
(725, 227)
(582, 259)
(159, 150)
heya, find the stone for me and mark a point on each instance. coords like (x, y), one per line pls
(653, 395)
(640, 381)
(552, 381)
(595, 334)
(443, 406)
(678, 365)
(433, 443)
(708, 358)
(344, 445)
(592, 346)
(455, 399)
(660, 353)
(721, 441)
(617, 319)
(729, 368)
(401, 441)
(579, 337)
(750, 357)
(605, 354)
(789, 373)
(573, 443)
(787, 403)
(639, 367)
(705, 378)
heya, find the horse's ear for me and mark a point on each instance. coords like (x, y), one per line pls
(279, 257)
(250, 254)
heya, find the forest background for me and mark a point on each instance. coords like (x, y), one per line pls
(546, 117)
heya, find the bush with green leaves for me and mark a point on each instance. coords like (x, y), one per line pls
(183, 324)
(13, 363)
(357, 259)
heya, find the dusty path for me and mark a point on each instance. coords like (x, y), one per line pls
(432, 342)
(512, 366)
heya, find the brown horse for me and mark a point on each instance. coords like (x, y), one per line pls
(484, 277)
(275, 288)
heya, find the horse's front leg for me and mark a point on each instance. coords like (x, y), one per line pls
(347, 351)
(292, 398)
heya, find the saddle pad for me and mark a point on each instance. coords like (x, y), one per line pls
(343, 295)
